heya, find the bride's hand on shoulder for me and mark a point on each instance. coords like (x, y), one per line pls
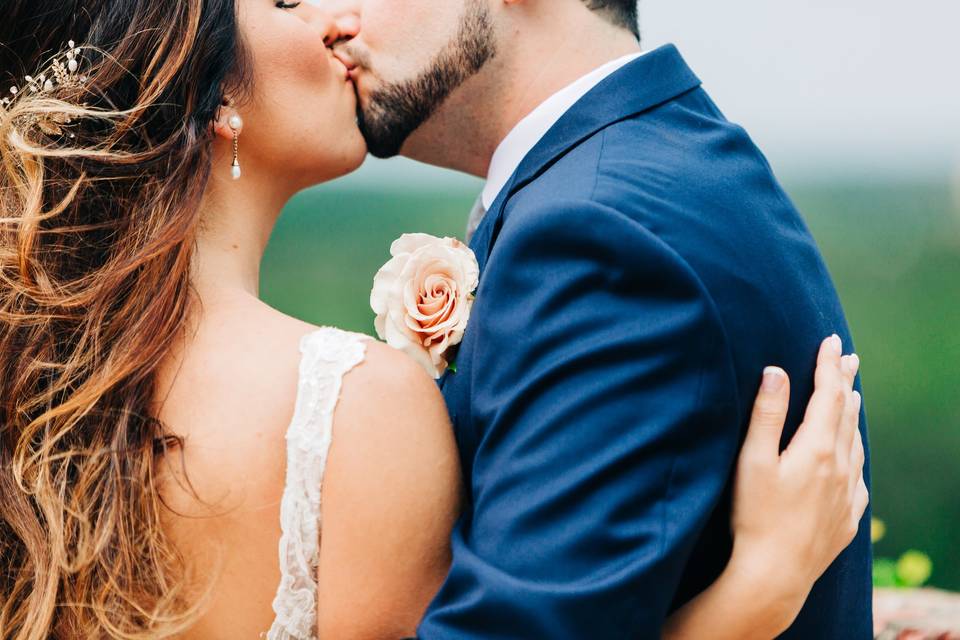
(794, 512)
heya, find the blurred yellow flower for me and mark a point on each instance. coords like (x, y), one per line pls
(877, 530)
(914, 568)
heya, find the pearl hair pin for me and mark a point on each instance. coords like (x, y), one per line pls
(236, 123)
(62, 73)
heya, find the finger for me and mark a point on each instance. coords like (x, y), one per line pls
(858, 507)
(769, 414)
(850, 424)
(861, 500)
(857, 460)
(850, 366)
(831, 353)
(825, 410)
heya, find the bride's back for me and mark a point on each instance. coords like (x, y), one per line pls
(229, 395)
(389, 494)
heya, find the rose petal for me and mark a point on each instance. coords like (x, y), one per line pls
(384, 281)
(443, 321)
(431, 308)
(380, 325)
(397, 335)
(411, 242)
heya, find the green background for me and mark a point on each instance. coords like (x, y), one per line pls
(894, 250)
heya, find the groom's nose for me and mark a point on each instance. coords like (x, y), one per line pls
(344, 13)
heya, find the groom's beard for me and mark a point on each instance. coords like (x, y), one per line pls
(397, 110)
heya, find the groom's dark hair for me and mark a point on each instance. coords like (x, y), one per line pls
(619, 12)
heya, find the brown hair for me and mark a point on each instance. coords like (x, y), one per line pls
(98, 218)
(622, 13)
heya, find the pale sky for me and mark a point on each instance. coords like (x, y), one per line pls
(827, 81)
(862, 87)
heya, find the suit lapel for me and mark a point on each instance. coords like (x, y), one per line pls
(647, 82)
(485, 234)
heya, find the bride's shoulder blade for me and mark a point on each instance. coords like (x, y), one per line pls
(229, 395)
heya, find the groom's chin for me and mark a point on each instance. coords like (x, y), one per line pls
(384, 135)
(380, 146)
(383, 153)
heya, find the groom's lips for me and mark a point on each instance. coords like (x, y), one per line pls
(353, 69)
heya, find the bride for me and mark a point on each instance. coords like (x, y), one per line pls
(165, 433)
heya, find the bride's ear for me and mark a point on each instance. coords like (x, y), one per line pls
(227, 121)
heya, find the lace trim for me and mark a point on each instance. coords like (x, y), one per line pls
(328, 355)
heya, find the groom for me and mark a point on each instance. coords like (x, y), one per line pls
(636, 251)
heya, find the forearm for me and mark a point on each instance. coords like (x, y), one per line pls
(747, 602)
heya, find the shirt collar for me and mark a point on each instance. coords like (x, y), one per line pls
(528, 132)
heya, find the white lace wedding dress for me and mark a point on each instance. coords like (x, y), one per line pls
(327, 355)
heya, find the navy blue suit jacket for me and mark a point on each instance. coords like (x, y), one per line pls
(639, 271)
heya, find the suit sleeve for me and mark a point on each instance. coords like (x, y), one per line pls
(607, 427)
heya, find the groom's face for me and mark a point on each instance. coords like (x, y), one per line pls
(408, 58)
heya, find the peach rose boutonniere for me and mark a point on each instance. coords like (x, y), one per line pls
(423, 296)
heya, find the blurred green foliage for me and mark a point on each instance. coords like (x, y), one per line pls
(894, 251)
(911, 571)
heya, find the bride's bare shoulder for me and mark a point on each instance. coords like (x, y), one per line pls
(391, 425)
(390, 381)
(390, 498)
(390, 408)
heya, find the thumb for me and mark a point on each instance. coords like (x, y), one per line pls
(769, 413)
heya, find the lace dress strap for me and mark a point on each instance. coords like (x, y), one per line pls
(327, 356)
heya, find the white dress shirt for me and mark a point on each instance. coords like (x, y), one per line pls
(528, 132)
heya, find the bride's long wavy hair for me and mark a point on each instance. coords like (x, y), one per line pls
(98, 219)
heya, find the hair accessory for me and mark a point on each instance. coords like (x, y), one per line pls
(62, 73)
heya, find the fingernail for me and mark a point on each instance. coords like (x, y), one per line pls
(855, 362)
(773, 379)
(848, 365)
(836, 344)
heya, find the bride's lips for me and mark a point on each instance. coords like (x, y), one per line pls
(342, 69)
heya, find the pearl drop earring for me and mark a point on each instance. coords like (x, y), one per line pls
(236, 122)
